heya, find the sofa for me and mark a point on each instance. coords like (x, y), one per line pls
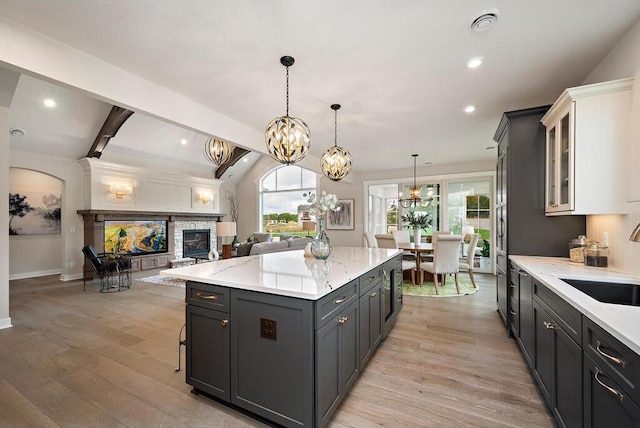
(262, 243)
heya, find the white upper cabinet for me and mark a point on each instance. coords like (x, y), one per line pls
(587, 147)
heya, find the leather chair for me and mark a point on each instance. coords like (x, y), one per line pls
(446, 260)
(103, 267)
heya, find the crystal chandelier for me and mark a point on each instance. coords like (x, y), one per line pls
(217, 151)
(336, 161)
(414, 198)
(287, 138)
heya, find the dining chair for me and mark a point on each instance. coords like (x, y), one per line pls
(467, 263)
(401, 235)
(386, 240)
(437, 234)
(446, 260)
(370, 239)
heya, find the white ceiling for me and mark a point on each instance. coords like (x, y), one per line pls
(397, 68)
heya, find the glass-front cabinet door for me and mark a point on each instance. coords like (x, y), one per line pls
(559, 174)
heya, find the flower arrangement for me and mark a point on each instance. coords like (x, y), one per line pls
(417, 220)
(318, 208)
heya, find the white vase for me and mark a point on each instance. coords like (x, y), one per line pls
(417, 236)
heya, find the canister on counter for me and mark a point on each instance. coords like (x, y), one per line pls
(576, 249)
(596, 255)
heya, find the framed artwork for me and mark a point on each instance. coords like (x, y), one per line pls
(342, 219)
(35, 202)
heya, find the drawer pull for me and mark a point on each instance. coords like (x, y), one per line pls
(343, 320)
(374, 294)
(613, 392)
(549, 326)
(512, 286)
(371, 279)
(523, 273)
(512, 312)
(618, 361)
(206, 296)
(340, 300)
(224, 323)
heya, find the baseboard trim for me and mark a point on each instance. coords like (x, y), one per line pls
(5, 323)
(35, 274)
(71, 277)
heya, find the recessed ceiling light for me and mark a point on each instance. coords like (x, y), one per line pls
(49, 103)
(469, 109)
(491, 147)
(15, 132)
(428, 163)
(484, 20)
(475, 62)
(183, 142)
(245, 159)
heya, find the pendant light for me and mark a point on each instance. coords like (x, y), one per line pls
(217, 151)
(414, 198)
(287, 138)
(336, 161)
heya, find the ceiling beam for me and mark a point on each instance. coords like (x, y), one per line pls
(117, 116)
(238, 153)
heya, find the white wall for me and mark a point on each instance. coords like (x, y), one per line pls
(5, 320)
(623, 61)
(27, 251)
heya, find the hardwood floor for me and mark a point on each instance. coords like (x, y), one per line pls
(83, 359)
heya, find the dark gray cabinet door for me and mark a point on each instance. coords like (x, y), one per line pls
(370, 322)
(558, 369)
(527, 338)
(501, 292)
(337, 361)
(605, 403)
(542, 361)
(208, 351)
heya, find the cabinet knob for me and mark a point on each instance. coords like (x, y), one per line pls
(224, 323)
(343, 320)
(549, 326)
(512, 312)
(609, 357)
(371, 279)
(374, 294)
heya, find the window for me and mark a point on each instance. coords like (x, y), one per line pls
(282, 204)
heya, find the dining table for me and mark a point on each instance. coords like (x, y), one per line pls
(418, 249)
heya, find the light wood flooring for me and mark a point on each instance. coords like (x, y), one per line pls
(82, 359)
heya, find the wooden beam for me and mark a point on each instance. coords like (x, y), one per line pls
(238, 153)
(117, 116)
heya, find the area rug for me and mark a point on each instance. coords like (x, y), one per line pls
(164, 280)
(429, 290)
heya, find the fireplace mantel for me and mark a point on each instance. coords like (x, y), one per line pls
(98, 215)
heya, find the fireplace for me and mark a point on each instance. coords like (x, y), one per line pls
(196, 242)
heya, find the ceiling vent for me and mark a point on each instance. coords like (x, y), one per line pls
(16, 132)
(485, 20)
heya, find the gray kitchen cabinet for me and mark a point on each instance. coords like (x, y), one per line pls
(523, 284)
(208, 359)
(338, 361)
(521, 226)
(370, 319)
(391, 293)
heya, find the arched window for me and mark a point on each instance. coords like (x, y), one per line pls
(282, 204)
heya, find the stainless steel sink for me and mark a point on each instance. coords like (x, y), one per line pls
(608, 292)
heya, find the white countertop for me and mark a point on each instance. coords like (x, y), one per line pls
(288, 273)
(621, 321)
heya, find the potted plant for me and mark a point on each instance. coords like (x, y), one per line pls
(418, 221)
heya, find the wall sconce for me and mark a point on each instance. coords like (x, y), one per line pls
(635, 235)
(205, 198)
(121, 190)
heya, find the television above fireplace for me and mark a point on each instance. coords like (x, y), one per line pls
(196, 242)
(135, 237)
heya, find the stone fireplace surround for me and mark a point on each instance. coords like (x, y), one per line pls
(177, 222)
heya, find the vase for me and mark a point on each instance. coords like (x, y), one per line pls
(417, 236)
(321, 244)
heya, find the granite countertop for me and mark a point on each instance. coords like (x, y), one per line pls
(621, 321)
(288, 273)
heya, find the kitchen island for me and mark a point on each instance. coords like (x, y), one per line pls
(283, 336)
